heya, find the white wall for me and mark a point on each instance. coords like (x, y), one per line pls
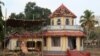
(12, 44)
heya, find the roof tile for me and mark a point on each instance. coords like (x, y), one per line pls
(62, 11)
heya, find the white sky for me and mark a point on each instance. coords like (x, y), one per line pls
(76, 6)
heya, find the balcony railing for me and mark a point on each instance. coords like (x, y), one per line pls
(65, 27)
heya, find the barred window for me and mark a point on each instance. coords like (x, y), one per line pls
(55, 41)
(52, 22)
(67, 21)
(58, 22)
(30, 44)
(45, 41)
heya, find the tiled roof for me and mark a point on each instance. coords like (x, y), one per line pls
(23, 23)
(65, 33)
(23, 35)
(62, 11)
(47, 33)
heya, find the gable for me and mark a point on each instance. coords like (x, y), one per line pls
(62, 11)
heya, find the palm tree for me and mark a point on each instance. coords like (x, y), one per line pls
(87, 22)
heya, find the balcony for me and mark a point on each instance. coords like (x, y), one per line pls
(65, 27)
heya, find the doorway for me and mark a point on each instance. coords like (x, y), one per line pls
(72, 43)
(39, 45)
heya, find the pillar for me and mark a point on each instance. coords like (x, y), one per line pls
(78, 43)
(67, 43)
(49, 43)
(63, 43)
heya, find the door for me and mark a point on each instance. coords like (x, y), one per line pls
(72, 43)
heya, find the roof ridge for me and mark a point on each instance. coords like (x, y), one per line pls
(59, 9)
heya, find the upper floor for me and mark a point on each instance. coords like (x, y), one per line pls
(62, 21)
(62, 16)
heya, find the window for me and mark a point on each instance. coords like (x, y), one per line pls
(58, 22)
(30, 44)
(45, 41)
(55, 41)
(18, 43)
(52, 22)
(67, 21)
(72, 22)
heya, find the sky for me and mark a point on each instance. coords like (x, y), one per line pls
(76, 6)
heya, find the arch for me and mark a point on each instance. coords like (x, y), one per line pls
(67, 22)
(52, 22)
(59, 22)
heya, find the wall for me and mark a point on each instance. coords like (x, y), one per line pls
(49, 47)
(63, 19)
(12, 44)
(62, 47)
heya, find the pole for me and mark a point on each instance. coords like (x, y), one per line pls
(33, 16)
(42, 36)
(5, 29)
(42, 44)
(32, 39)
(42, 39)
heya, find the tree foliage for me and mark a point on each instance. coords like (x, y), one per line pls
(32, 12)
(36, 12)
(12, 16)
(88, 22)
(1, 23)
(20, 16)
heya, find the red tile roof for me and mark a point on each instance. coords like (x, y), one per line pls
(48, 33)
(23, 23)
(62, 11)
(67, 33)
(23, 35)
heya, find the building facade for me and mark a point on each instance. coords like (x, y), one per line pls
(55, 39)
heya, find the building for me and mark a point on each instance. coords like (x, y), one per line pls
(97, 18)
(56, 38)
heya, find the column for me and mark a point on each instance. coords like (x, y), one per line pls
(82, 44)
(78, 43)
(35, 44)
(63, 43)
(49, 43)
(67, 43)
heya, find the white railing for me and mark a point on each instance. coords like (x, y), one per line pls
(65, 27)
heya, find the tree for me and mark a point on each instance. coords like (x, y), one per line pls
(1, 23)
(29, 10)
(20, 16)
(12, 16)
(33, 12)
(87, 22)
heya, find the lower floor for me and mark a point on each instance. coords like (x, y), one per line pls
(51, 43)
